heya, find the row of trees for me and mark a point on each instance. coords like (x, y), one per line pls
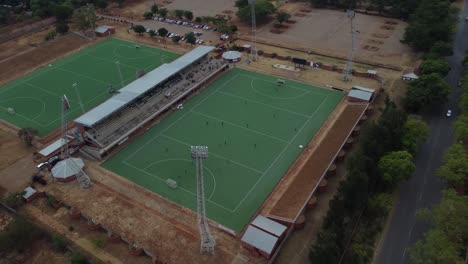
(190, 37)
(263, 9)
(164, 12)
(357, 212)
(445, 241)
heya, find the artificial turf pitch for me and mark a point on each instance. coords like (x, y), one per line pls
(36, 97)
(253, 129)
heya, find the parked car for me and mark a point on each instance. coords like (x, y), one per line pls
(54, 160)
(168, 33)
(449, 113)
(42, 165)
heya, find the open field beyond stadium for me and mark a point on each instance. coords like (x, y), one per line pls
(35, 98)
(253, 127)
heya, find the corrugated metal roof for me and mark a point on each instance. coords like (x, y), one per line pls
(259, 239)
(102, 29)
(269, 225)
(410, 75)
(363, 89)
(140, 86)
(56, 145)
(360, 95)
(29, 192)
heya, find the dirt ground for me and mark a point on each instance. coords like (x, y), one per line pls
(328, 31)
(17, 66)
(293, 193)
(11, 149)
(22, 44)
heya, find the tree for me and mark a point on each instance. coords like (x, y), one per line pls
(152, 33)
(148, 15)
(439, 66)
(198, 19)
(425, 92)
(379, 205)
(188, 15)
(282, 17)
(120, 3)
(415, 133)
(461, 128)
(190, 38)
(163, 12)
(85, 18)
(78, 258)
(140, 29)
(442, 49)
(396, 166)
(444, 243)
(431, 22)
(455, 167)
(162, 32)
(101, 4)
(4, 15)
(263, 8)
(61, 27)
(154, 9)
(27, 135)
(42, 8)
(179, 13)
(176, 39)
(63, 12)
(233, 28)
(224, 28)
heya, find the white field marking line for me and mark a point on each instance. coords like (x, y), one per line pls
(214, 154)
(182, 116)
(82, 75)
(294, 87)
(30, 120)
(245, 128)
(276, 98)
(183, 189)
(281, 153)
(47, 91)
(268, 105)
(31, 98)
(204, 167)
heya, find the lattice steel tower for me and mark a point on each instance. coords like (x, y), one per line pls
(253, 50)
(348, 71)
(81, 176)
(199, 153)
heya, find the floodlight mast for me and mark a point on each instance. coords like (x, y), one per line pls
(253, 49)
(75, 86)
(207, 242)
(348, 71)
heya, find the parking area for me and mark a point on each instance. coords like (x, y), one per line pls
(207, 35)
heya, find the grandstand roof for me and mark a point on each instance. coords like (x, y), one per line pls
(269, 225)
(140, 86)
(259, 239)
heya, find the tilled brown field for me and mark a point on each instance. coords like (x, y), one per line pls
(293, 199)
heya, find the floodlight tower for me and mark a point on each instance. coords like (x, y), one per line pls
(75, 86)
(348, 71)
(253, 50)
(82, 177)
(199, 153)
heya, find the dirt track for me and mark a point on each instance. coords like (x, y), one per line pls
(290, 205)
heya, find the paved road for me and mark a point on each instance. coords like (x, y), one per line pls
(424, 187)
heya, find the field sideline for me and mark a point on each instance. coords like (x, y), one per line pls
(253, 129)
(36, 97)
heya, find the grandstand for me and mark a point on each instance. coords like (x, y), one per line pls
(111, 123)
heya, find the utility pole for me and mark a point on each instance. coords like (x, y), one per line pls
(348, 71)
(75, 87)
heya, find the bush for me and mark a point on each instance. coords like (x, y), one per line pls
(59, 243)
(148, 15)
(154, 9)
(78, 258)
(61, 28)
(14, 200)
(198, 19)
(19, 235)
(99, 242)
(50, 36)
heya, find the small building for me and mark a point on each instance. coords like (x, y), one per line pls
(232, 56)
(260, 242)
(371, 73)
(30, 194)
(360, 94)
(54, 148)
(269, 226)
(103, 31)
(409, 76)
